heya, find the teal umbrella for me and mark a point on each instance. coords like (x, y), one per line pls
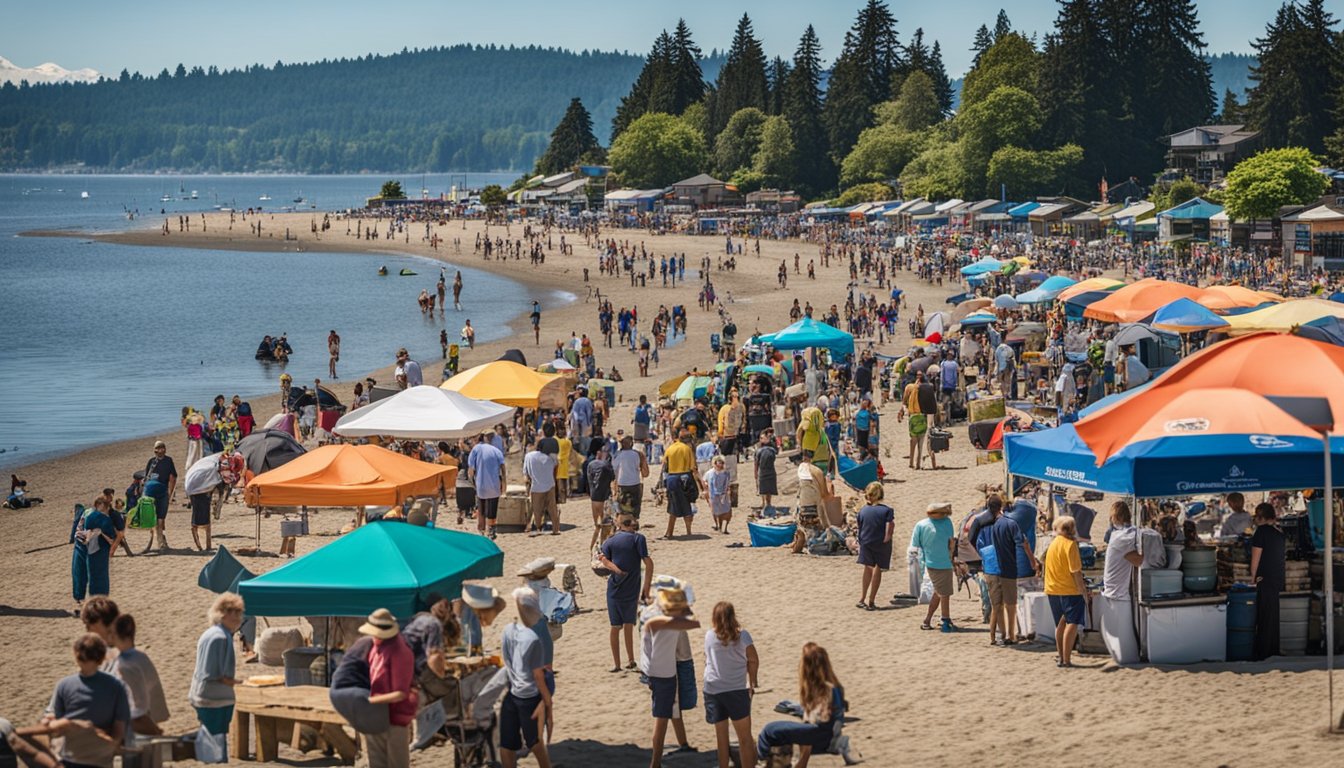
(392, 565)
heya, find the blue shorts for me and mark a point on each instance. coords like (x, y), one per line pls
(620, 612)
(1071, 608)
(730, 705)
(516, 723)
(664, 696)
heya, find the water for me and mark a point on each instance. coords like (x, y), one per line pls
(103, 342)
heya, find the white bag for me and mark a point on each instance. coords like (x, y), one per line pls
(211, 748)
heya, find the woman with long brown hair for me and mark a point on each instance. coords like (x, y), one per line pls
(823, 703)
(730, 682)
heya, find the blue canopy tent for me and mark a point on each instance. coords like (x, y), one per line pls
(1186, 316)
(380, 565)
(1074, 305)
(1047, 291)
(808, 333)
(983, 266)
(978, 319)
(1327, 329)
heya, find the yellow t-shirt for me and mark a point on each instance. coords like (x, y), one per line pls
(679, 459)
(1061, 562)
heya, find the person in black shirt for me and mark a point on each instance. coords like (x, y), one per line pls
(1267, 573)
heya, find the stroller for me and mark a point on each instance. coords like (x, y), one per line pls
(469, 717)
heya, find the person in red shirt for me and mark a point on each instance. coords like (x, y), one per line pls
(391, 674)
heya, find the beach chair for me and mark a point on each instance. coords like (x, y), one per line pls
(469, 717)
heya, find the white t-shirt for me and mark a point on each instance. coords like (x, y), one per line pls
(657, 650)
(726, 665)
(540, 469)
(626, 464)
(1115, 584)
(143, 688)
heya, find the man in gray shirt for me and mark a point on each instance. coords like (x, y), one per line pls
(1116, 599)
(1237, 520)
(92, 696)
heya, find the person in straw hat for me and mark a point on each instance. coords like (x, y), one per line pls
(933, 536)
(528, 702)
(391, 677)
(669, 616)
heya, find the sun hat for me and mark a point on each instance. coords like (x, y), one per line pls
(159, 444)
(478, 595)
(939, 509)
(381, 624)
(672, 602)
(661, 582)
(538, 568)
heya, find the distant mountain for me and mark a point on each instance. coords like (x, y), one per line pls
(44, 73)
(1231, 70)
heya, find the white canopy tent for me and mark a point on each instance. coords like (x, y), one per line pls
(424, 413)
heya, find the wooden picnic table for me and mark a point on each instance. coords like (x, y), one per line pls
(278, 710)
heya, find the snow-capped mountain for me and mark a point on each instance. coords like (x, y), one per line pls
(44, 73)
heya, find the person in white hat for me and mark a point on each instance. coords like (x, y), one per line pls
(664, 623)
(391, 677)
(528, 702)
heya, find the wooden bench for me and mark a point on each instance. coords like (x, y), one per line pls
(277, 711)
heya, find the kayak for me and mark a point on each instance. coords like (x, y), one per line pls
(406, 273)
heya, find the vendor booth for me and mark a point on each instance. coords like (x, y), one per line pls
(509, 383)
(424, 413)
(810, 333)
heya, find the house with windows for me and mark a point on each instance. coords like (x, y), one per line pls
(1207, 153)
(1313, 236)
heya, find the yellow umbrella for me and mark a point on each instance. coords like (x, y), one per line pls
(1282, 318)
(508, 383)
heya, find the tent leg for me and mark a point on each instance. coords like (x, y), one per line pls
(1329, 602)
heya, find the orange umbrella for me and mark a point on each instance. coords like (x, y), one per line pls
(348, 476)
(1221, 297)
(1204, 411)
(1138, 300)
(1269, 364)
(1089, 285)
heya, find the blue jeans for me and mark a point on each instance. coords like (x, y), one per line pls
(782, 732)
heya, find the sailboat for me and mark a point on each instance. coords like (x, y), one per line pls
(264, 197)
(83, 195)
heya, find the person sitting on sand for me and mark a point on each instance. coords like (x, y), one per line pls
(822, 700)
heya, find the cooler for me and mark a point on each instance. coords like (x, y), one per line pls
(515, 506)
(1185, 631)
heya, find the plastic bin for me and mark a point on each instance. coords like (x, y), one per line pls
(763, 535)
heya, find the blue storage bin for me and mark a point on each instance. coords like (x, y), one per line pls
(763, 535)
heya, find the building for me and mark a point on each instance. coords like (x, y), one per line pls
(632, 200)
(704, 191)
(1313, 237)
(1048, 218)
(1206, 153)
(1090, 224)
(774, 200)
(1187, 221)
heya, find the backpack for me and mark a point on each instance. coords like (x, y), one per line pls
(144, 514)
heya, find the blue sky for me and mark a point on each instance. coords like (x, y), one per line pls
(152, 34)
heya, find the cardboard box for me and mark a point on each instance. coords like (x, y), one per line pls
(991, 407)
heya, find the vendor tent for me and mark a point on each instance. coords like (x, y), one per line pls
(380, 565)
(267, 449)
(348, 476)
(424, 413)
(983, 266)
(1284, 317)
(808, 332)
(1328, 329)
(1185, 316)
(1048, 290)
(1137, 301)
(1089, 285)
(978, 320)
(509, 383)
(1225, 297)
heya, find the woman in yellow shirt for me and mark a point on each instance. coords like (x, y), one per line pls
(1065, 588)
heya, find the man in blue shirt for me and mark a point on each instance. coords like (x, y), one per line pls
(485, 463)
(581, 415)
(624, 554)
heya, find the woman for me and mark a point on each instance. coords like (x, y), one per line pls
(767, 484)
(718, 481)
(823, 703)
(730, 681)
(1065, 588)
(664, 621)
(812, 436)
(213, 680)
(877, 523)
(813, 487)
(93, 538)
(1267, 573)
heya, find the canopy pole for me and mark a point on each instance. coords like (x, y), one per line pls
(1329, 602)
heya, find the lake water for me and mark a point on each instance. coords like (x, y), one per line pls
(103, 342)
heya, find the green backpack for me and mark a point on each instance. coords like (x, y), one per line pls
(145, 514)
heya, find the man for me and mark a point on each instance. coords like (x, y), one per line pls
(1006, 539)
(863, 376)
(486, 466)
(581, 414)
(527, 705)
(683, 482)
(424, 634)
(90, 710)
(631, 468)
(918, 424)
(1237, 519)
(1115, 604)
(144, 690)
(1005, 367)
(410, 375)
(694, 419)
(536, 321)
(391, 676)
(624, 554)
(601, 479)
(732, 422)
(161, 485)
(334, 350)
(951, 380)
(539, 470)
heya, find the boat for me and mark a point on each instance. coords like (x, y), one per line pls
(194, 195)
(264, 197)
(382, 271)
(166, 199)
(83, 195)
(407, 272)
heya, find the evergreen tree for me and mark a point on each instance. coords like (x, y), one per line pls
(917, 55)
(1233, 112)
(1296, 77)
(688, 79)
(1178, 92)
(651, 78)
(803, 110)
(1002, 25)
(862, 75)
(1322, 60)
(571, 140)
(777, 77)
(942, 86)
(742, 81)
(1075, 87)
(983, 40)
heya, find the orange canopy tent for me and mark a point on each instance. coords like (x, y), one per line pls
(508, 383)
(1268, 364)
(1221, 297)
(1136, 301)
(348, 476)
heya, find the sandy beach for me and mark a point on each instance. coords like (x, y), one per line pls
(916, 698)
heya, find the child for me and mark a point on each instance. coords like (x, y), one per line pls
(718, 481)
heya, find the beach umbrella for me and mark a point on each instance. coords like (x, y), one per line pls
(1023, 331)
(1091, 284)
(691, 388)
(1224, 297)
(762, 369)
(987, 264)
(558, 365)
(978, 320)
(1257, 363)
(424, 413)
(669, 387)
(509, 383)
(267, 449)
(935, 326)
(1186, 316)
(970, 305)
(1282, 318)
(1136, 301)
(514, 356)
(1329, 330)
(203, 475)
(1004, 301)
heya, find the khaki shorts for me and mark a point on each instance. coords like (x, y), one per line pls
(543, 505)
(1001, 591)
(943, 582)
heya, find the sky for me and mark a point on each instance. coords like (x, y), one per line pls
(150, 35)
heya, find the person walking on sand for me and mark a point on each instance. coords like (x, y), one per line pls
(933, 537)
(485, 464)
(539, 472)
(536, 321)
(718, 482)
(767, 484)
(334, 350)
(682, 482)
(160, 485)
(877, 524)
(626, 556)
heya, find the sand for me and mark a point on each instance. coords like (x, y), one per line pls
(917, 698)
